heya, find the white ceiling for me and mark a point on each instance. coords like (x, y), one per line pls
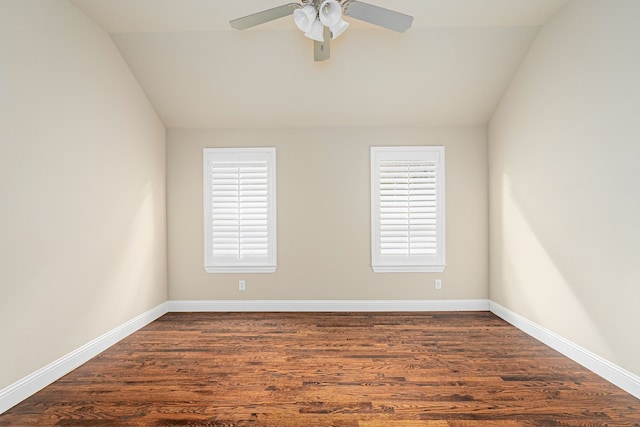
(449, 69)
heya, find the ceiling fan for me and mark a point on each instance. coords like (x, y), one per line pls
(321, 20)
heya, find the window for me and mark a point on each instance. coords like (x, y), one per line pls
(240, 210)
(407, 209)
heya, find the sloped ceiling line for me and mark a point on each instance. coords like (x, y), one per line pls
(449, 69)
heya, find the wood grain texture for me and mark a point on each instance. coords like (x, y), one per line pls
(467, 369)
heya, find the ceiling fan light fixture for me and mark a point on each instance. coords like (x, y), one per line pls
(316, 30)
(321, 20)
(339, 28)
(330, 13)
(305, 17)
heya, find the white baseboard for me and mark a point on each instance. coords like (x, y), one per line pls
(329, 305)
(622, 378)
(20, 390)
(36, 381)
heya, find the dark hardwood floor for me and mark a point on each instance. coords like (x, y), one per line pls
(464, 369)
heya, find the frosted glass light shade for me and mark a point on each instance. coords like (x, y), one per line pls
(330, 12)
(316, 30)
(304, 17)
(339, 28)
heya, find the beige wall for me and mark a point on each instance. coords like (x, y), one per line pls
(82, 187)
(324, 219)
(564, 181)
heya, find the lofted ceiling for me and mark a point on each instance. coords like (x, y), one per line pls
(449, 69)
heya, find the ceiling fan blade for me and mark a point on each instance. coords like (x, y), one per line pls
(264, 16)
(322, 50)
(379, 16)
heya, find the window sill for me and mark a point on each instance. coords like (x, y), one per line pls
(241, 269)
(408, 268)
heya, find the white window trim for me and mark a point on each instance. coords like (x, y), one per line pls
(385, 264)
(240, 155)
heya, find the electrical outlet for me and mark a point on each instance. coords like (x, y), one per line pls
(241, 285)
(438, 284)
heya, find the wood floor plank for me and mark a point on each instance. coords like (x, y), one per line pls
(405, 423)
(468, 369)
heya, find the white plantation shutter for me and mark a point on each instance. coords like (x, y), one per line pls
(407, 203)
(240, 210)
(408, 208)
